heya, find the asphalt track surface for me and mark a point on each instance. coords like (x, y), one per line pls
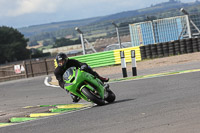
(169, 104)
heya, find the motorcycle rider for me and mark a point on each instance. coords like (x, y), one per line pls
(64, 63)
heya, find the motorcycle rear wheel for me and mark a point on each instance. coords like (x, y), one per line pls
(90, 95)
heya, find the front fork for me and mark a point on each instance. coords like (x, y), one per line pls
(106, 86)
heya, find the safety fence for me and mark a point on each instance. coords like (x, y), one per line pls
(34, 68)
(26, 69)
(176, 47)
(158, 31)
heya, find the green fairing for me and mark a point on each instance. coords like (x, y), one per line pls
(77, 79)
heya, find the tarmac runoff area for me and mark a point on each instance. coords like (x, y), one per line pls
(53, 110)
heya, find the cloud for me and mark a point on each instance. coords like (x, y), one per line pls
(21, 7)
(32, 12)
(13, 8)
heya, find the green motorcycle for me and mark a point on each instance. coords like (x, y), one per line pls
(87, 86)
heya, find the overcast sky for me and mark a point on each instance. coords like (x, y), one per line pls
(22, 13)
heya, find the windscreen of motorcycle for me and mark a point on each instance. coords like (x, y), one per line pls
(68, 73)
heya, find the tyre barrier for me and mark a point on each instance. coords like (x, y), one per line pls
(160, 49)
(171, 48)
(189, 48)
(195, 44)
(154, 51)
(143, 52)
(183, 46)
(198, 40)
(165, 49)
(177, 47)
(148, 51)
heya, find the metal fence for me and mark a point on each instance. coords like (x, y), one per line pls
(165, 30)
(26, 69)
(157, 31)
(196, 20)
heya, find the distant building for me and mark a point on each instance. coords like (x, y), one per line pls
(169, 2)
(69, 37)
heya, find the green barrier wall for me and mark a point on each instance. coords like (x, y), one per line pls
(97, 59)
(106, 58)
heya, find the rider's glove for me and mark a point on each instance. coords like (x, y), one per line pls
(83, 67)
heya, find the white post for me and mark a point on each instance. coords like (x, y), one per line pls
(134, 69)
(123, 64)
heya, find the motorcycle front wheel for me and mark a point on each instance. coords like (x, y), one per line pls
(111, 96)
(90, 95)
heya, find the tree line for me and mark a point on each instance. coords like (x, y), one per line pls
(12, 45)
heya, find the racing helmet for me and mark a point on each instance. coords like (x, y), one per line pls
(61, 59)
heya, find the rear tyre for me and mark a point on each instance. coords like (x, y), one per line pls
(90, 95)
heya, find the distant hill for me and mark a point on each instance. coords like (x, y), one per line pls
(36, 29)
(119, 17)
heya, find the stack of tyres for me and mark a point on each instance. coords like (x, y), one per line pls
(171, 48)
(166, 49)
(189, 45)
(177, 47)
(198, 44)
(143, 52)
(195, 44)
(148, 51)
(160, 49)
(154, 51)
(183, 46)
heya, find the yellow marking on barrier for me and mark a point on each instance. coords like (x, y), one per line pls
(127, 52)
(55, 63)
(5, 124)
(74, 106)
(42, 114)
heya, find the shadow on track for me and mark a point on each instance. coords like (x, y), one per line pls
(118, 101)
(121, 101)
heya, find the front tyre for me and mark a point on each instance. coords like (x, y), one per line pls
(90, 95)
(111, 96)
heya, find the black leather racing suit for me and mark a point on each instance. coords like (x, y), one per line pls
(60, 70)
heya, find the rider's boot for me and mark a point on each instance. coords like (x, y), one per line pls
(103, 79)
(75, 98)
